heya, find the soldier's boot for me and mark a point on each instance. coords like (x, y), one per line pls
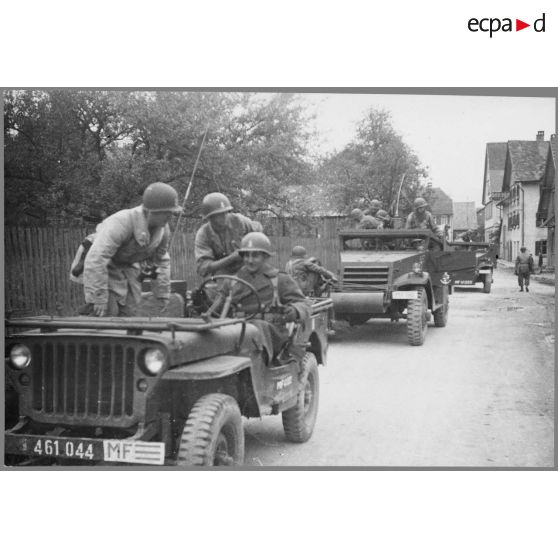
(527, 289)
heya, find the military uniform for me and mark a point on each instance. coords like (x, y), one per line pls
(426, 221)
(112, 264)
(524, 266)
(308, 273)
(276, 290)
(212, 246)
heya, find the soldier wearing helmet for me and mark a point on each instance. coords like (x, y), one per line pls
(308, 272)
(363, 221)
(280, 296)
(420, 218)
(375, 206)
(384, 218)
(218, 239)
(122, 244)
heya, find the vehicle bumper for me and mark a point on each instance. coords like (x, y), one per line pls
(358, 303)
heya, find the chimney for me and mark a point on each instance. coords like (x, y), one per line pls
(540, 135)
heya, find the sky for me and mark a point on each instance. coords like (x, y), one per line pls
(448, 133)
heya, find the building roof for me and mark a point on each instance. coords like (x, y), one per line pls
(464, 216)
(528, 160)
(440, 203)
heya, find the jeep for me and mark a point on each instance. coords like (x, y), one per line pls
(156, 390)
(395, 274)
(483, 268)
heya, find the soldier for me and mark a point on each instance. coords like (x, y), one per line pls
(375, 206)
(524, 266)
(217, 240)
(384, 218)
(420, 218)
(111, 270)
(278, 292)
(363, 221)
(308, 272)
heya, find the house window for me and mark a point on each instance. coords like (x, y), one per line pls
(540, 246)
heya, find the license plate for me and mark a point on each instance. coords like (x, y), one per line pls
(484, 271)
(87, 449)
(463, 282)
(404, 295)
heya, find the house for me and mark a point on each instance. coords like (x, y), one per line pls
(464, 218)
(494, 165)
(480, 224)
(545, 212)
(441, 207)
(524, 176)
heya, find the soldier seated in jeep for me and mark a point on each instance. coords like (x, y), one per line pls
(274, 294)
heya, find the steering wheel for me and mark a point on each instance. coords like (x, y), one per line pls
(227, 304)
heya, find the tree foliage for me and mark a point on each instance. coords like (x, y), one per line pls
(374, 165)
(80, 155)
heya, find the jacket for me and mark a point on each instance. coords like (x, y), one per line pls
(210, 246)
(524, 263)
(426, 222)
(307, 273)
(123, 241)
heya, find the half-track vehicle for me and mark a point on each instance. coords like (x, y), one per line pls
(396, 274)
(156, 390)
(483, 269)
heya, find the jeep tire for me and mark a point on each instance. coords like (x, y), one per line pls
(487, 280)
(441, 314)
(213, 433)
(417, 318)
(299, 421)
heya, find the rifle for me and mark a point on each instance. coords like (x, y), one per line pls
(189, 187)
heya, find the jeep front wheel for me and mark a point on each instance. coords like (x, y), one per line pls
(487, 283)
(213, 433)
(299, 421)
(417, 318)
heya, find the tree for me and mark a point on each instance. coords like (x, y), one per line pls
(372, 166)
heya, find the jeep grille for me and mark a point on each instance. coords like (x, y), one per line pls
(361, 278)
(79, 380)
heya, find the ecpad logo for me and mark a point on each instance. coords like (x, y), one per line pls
(494, 24)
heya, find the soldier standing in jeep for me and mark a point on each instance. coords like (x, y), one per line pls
(308, 272)
(111, 269)
(218, 239)
(420, 218)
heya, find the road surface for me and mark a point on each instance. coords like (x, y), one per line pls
(478, 393)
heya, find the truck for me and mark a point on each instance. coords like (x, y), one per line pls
(396, 274)
(482, 270)
(156, 390)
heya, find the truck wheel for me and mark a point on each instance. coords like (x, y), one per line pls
(299, 421)
(441, 314)
(487, 283)
(417, 310)
(213, 433)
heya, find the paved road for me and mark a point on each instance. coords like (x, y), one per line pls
(478, 393)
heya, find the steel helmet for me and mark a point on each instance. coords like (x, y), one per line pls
(161, 197)
(420, 202)
(298, 252)
(375, 204)
(356, 213)
(255, 242)
(383, 215)
(215, 203)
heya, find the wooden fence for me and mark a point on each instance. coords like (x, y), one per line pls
(37, 265)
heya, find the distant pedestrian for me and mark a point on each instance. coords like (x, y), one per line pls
(524, 266)
(540, 261)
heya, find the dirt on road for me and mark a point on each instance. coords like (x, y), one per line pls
(478, 393)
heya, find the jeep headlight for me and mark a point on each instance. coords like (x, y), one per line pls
(20, 356)
(154, 361)
(417, 268)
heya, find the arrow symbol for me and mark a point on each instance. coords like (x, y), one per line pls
(519, 25)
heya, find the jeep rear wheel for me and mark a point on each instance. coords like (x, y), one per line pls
(299, 421)
(417, 318)
(213, 434)
(441, 314)
(487, 283)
